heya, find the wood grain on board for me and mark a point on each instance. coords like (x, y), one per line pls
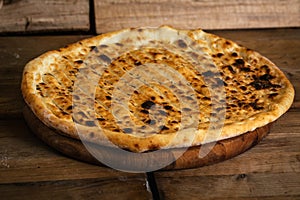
(237, 186)
(133, 189)
(15, 52)
(41, 16)
(59, 15)
(269, 170)
(29, 169)
(208, 14)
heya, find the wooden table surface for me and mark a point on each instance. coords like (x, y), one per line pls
(29, 169)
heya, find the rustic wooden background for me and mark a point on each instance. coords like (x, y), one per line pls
(41, 15)
(29, 169)
(99, 16)
(207, 14)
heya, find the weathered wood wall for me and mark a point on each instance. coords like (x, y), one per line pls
(42, 15)
(75, 15)
(29, 169)
(207, 14)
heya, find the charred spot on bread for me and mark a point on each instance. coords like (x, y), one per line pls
(181, 44)
(147, 104)
(105, 58)
(127, 130)
(78, 61)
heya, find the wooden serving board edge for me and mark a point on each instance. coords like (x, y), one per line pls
(221, 151)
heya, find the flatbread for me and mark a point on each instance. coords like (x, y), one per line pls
(155, 88)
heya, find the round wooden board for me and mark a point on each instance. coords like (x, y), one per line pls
(221, 151)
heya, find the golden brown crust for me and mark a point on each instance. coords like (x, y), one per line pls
(48, 86)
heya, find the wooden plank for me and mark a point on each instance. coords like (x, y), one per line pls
(275, 154)
(289, 122)
(268, 171)
(239, 186)
(134, 188)
(16, 52)
(29, 169)
(39, 15)
(113, 15)
(25, 158)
